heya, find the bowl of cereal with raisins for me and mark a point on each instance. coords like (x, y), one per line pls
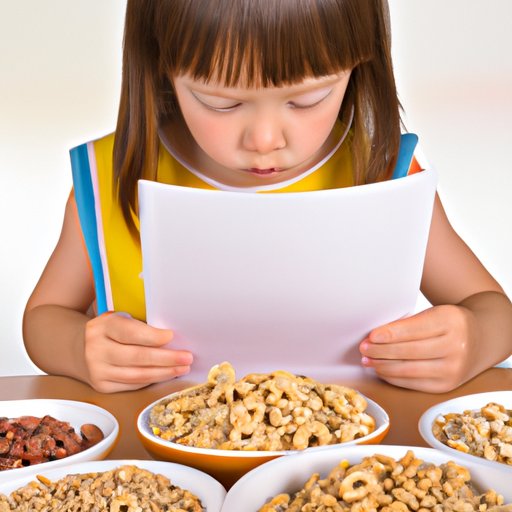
(476, 427)
(226, 426)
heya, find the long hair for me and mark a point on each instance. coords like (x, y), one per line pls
(254, 43)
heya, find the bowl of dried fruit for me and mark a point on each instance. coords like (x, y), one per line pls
(226, 426)
(42, 434)
(384, 477)
(478, 428)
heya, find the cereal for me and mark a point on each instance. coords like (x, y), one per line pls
(381, 483)
(275, 411)
(124, 489)
(485, 433)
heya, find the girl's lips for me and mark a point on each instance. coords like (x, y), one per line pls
(263, 172)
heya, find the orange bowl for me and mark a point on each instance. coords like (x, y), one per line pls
(227, 466)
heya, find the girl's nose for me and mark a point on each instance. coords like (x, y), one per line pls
(264, 135)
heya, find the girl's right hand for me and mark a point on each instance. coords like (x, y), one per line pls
(123, 354)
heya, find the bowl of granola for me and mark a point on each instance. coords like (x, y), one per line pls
(476, 427)
(115, 485)
(358, 477)
(226, 426)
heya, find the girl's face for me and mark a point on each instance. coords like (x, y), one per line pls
(255, 136)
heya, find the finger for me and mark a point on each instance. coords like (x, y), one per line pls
(407, 350)
(130, 331)
(129, 379)
(143, 376)
(417, 369)
(424, 324)
(425, 385)
(142, 356)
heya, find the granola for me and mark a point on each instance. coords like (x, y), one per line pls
(124, 489)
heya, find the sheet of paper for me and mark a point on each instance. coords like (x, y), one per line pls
(282, 281)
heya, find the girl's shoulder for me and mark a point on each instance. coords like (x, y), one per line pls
(103, 144)
(410, 158)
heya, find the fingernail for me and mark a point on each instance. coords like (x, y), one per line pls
(379, 336)
(184, 370)
(185, 359)
(365, 361)
(363, 347)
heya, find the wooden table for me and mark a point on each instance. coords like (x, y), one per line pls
(403, 406)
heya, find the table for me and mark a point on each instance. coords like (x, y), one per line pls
(404, 406)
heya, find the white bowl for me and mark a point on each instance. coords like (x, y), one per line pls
(289, 474)
(227, 466)
(459, 405)
(72, 412)
(208, 490)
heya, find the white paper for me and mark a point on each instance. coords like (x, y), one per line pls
(282, 281)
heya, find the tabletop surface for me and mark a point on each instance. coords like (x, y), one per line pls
(404, 406)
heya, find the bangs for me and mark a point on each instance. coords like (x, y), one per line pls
(262, 43)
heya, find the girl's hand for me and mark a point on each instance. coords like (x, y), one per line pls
(123, 353)
(434, 350)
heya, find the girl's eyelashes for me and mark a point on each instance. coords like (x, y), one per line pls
(302, 102)
(218, 105)
(310, 100)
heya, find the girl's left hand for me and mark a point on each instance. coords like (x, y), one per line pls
(433, 351)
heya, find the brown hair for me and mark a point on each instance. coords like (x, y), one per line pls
(254, 43)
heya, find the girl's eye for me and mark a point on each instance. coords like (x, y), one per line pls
(222, 109)
(310, 100)
(294, 104)
(218, 105)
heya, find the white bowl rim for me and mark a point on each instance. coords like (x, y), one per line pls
(107, 441)
(453, 405)
(142, 427)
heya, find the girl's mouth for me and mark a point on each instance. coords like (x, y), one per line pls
(263, 172)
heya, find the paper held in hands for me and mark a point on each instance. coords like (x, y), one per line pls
(282, 281)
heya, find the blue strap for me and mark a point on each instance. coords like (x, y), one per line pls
(408, 143)
(84, 197)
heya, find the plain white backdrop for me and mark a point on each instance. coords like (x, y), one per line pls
(60, 65)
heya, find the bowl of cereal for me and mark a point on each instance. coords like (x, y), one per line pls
(364, 477)
(478, 428)
(227, 427)
(115, 485)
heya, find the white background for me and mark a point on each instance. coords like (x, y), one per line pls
(60, 64)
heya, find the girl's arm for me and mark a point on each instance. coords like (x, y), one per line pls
(110, 352)
(55, 315)
(468, 329)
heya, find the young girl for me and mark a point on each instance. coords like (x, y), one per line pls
(270, 96)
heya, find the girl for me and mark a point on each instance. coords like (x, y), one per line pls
(251, 95)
